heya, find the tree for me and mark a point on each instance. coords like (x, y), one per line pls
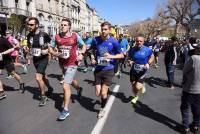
(14, 23)
(175, 10)
(193, 11)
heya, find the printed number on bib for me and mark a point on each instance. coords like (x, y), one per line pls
(1, 57)
(65, 53)
(36, 52)
(103, 62)
(137, 67)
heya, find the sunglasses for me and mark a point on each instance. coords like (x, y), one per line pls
(31, 24)
(64, 25)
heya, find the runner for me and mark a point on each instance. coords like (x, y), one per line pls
(67, 44)
(38, 42)
(15, 54)
(7, 63)
(156, 50)
(88, 42)
(105, 50)
(140, 58)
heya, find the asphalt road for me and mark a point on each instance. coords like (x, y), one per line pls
(157, 111)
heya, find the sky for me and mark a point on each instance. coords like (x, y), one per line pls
(123, 12)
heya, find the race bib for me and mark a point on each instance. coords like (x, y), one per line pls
(65, 53)
(138, 67)
(1, 57)
(36, 52)
(103, 62)
(157, 50)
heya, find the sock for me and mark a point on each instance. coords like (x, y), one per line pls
(103, 102)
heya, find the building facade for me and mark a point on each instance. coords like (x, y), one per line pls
(50, 13)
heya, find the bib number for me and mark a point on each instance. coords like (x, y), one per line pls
(157, 50)
(103, 62)
(36, 52)
(65, 53)
(137, 67)
(1, 57)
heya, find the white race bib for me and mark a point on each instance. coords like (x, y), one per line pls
(103, 62)
(1, 57)
(65, 53)
(36, 52)
(157, 50)
(138, 67)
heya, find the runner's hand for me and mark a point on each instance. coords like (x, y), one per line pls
(146, 66)
(57, 54)
(80, 57)
(44, 52)
(108, 56)
(93, 61)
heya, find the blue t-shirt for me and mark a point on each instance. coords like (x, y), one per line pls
(110, 46)
(88, 42)
(140, 56)
(124, 44)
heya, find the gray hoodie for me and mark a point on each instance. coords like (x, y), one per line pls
(191, 75)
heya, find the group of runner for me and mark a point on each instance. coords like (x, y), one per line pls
(104, 52)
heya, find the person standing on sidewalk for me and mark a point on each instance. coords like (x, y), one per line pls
(106, 50)
(67, 43)
(170, 60)
(191, 92)
(39, 43)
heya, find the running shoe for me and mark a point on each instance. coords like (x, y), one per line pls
(195, 130)
(187, 131)
(101, 113)
(2, 95)
(63, 115)
(62, 81)
(9, 77)
(43, 101)
(134, 100)
(85, 70)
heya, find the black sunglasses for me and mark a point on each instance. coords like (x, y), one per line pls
(63, 24)
(31, 24)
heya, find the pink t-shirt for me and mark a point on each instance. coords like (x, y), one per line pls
(13, 42)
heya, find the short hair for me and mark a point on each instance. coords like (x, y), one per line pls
(35, 19)
(106, 23)
(68, 20)
(174, 38)
(192, 40)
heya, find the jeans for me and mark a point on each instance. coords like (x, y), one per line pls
(192, 101)
(170, 74)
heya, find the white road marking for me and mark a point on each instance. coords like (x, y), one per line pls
(100, 123)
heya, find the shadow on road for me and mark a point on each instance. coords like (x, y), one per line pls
(120, 96)
(89, 82)
(146, 111)
(86, 102)
(152, 81)
(57, 76)
(8, 88)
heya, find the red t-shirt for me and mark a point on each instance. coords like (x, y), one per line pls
(68, 46)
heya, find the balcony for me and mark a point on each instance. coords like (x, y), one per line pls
(19, 11)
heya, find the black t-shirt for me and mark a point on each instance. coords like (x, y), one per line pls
(5, 45)
(38, 41)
